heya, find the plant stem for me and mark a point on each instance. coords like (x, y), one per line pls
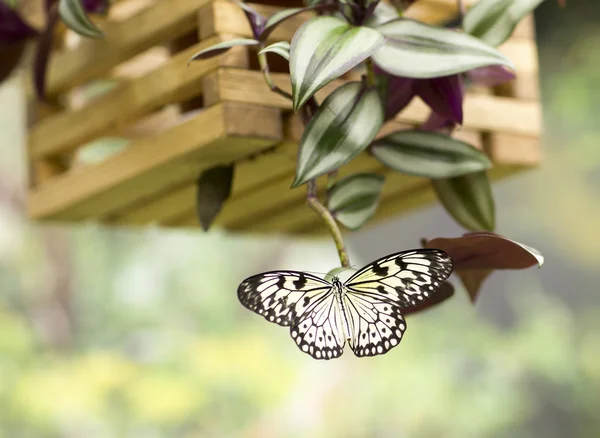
(264, 66)
(321, 210)
(370, 72)
(308, 111)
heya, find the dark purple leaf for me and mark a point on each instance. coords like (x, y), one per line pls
(276, 19)
(13, 28)
(445, 291)
(477, 255)
(491, 76)
(42, 53)
(437, 123)
(397, 92)
(472, 279)
(213, 189)
(10, 55)
(256, 20)
(483, 250)
(92, 6)
(402, 5)
(96, 6)
(444, 95)
(14, 32)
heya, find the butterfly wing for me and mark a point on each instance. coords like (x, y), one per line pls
(302, 301)
(318, 331)
(377, 326)
(376, 295)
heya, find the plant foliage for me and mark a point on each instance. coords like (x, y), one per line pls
(399, 59)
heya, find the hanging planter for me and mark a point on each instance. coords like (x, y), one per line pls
(132, 125)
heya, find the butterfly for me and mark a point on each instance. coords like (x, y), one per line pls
(365, 310)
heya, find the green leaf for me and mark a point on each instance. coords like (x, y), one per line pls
(417, 50)
(274, 20)
(344, 125)
(74, 16)
(222, 47)
(383, 13)
(493, 21)
(323, 49)
(281, 48)
(354, 199)
(213, 189)
(468, 199)
(429, 154)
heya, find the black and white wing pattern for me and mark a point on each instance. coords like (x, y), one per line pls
(367, 308)
(302, 301)
(376, 295)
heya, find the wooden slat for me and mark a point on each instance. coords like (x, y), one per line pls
(220, 134)
(170, 83)
(514, 150)
(251, 176)
(229, 18)
(482, 112)
(160, 22)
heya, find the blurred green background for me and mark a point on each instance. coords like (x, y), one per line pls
(117, 333)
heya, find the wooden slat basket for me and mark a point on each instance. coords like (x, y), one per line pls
(165, 122)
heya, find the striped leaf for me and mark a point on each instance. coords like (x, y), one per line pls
(73, 14)
(323, 49)
(428, 154)
(493, 21)
(417, 50)
(468, 199)
(345, 124)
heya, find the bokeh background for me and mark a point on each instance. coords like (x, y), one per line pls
(138, 333)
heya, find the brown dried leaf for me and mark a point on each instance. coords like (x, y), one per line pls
(484, 250)
(472, 279)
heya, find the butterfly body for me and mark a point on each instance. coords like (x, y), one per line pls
(339, 295)
(365, 310)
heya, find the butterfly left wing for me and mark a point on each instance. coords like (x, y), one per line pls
(302, 301)
(376, 295)
(282, 296)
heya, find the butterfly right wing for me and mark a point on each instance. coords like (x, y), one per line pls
(302, 301)
(318, 331)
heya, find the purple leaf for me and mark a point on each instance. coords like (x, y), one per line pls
(42, 53)
(256, 20)
(491, 76)
(95, 6)
(477, 255)
(10, 55)
(472, 279)
(444, 95)
(437, 123)
(12, 27)
(483, 250)
(398, 92)
(14, 32)
(92, 6)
